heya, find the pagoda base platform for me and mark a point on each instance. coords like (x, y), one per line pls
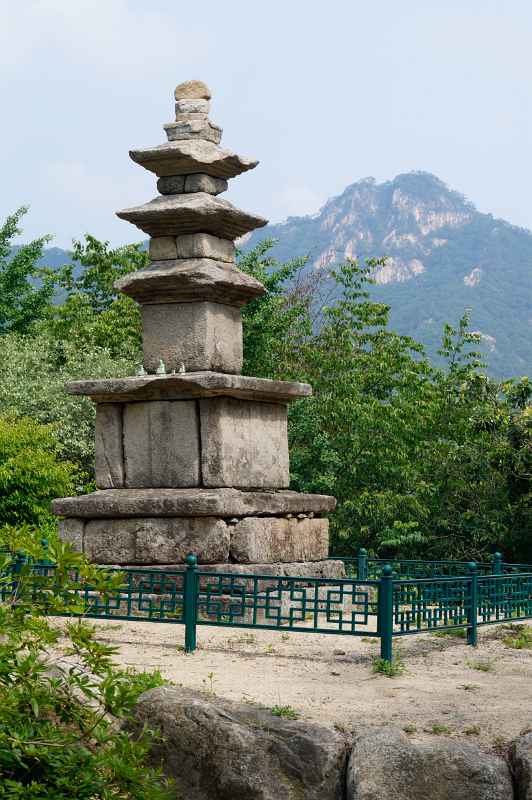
(159, 527)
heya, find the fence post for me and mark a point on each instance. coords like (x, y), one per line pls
(496, 566)
(385, 618)
(473, 605)
(362, 570)
(190, 602)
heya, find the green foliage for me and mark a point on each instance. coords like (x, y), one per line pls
(519, 637)
(93, 315)
(34, 372)
(25, 289)
(30, 473)
(391, 669)
(285, 712)
(61, 699)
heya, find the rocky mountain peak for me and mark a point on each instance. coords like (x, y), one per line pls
(442, 256)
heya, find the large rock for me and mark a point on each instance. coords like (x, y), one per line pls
(198, 336)
(109, 446)
(203, 183)
(265, 539)
(385, 764)
(190, 156)
(244, 444)
(161, 444)
(192, 90)
(218, 750)
(163, 248)
(195, 384)
(190, 503)
(177, 214)
(193, 126)
(186, 280)
(521, 761)
(155, 541)
(203, 245)
(192, 106)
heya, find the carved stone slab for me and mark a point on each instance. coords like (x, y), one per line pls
(193, 384)
(191, 503)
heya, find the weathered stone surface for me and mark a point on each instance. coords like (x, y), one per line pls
(190, 156)
(329, 569)
(204, 183)
(193, 126)
(172, 184)
(386, 764)
(182, 387)
(192, 106)
(521, 763)
(192, 90)
(199, 336)
(161, 444)
(264, 539)
(226, 751)
(109, 452)
(163, 248)
(190, 502)
(244, 444)
(204, 245)
(177, 214)
(155, 541)
(186, 280)
(71, 531)
(200, 182)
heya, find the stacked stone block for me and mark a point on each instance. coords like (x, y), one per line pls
(191, 456)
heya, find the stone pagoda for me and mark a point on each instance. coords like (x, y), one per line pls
(192, 456)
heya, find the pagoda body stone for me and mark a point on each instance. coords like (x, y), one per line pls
(192, 456)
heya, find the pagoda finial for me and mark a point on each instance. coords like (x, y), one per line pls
(192, 90)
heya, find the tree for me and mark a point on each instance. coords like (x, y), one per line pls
(31, 474)
(25, 288)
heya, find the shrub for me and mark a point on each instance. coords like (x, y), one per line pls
(30, 473)
(61, 713)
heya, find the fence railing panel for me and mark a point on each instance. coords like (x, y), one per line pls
(504, 598)
(427, 604)
(297, 604)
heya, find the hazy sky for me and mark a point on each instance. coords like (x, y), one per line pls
(322, 92)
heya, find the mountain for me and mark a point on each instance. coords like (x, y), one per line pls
(443, 256)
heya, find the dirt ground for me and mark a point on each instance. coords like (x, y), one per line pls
(447, 688)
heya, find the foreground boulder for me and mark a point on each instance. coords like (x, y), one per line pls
(521, 761)
(385, 764)
(218, 750)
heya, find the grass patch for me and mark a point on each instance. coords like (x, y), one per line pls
(453, 633)
(473, 730)
(439, 730)
(482, 665)
(389, 668)
(410, 728)
(520, 637)
(285, 712)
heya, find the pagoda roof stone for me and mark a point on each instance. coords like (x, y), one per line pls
(188, 156)
(188, 385)
(187, 280)
(177, 214)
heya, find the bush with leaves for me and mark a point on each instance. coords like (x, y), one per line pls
(32, 384)
(62, 701)
(31, 474)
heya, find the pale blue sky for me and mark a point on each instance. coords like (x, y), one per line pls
(322, 93)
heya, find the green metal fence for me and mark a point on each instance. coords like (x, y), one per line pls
(390, 605)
